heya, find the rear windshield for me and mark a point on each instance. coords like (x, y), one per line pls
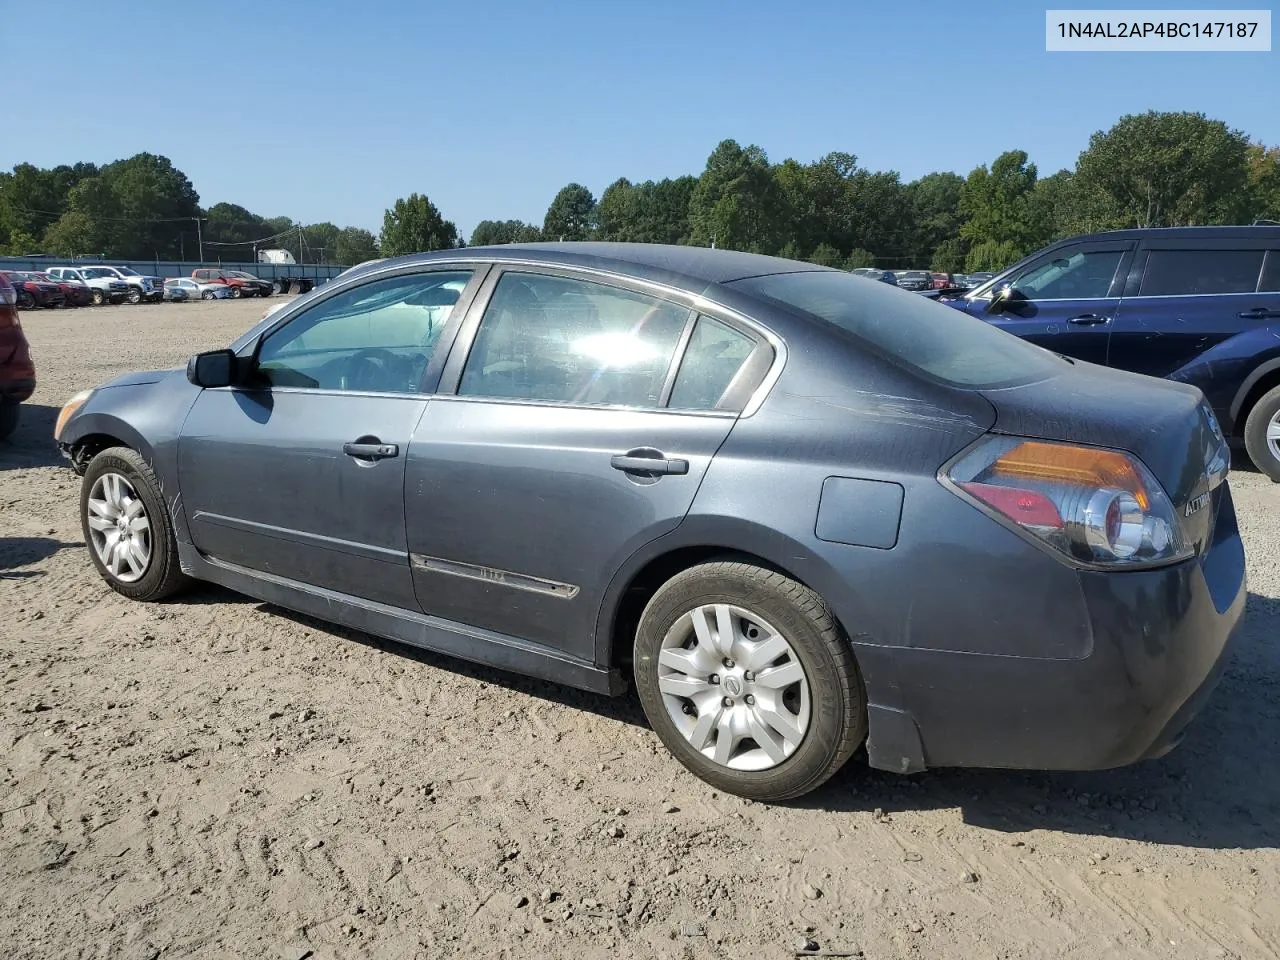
(914, 331)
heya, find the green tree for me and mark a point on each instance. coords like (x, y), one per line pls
(572, 214)
(860, 258)
(1164, 169)
(414, 224)
(491, 232)
(321, 241)
(736, 201)
(1264, 181)
(949, 257)
(618, 213)
(826, 255)
(355, 245)
(992, 255)
(995, 204)
(154, 200)
(92, 223)
(933, 204)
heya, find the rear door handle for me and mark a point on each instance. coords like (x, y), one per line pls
(662, 465)
(1259, 313)
(371, 450)
(1089, 320)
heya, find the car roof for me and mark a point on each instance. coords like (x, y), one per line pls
(1261, 230)
(690, 268)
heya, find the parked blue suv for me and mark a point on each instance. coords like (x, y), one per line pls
(1196, 304)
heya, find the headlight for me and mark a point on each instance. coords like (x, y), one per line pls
(69, 409)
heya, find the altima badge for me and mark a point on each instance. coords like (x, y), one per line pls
(1195, 504)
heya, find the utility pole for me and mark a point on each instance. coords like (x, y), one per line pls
(301, 259)
(199, 238)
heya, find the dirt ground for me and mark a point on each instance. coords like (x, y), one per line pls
(215, 778)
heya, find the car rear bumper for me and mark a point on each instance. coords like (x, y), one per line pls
(1160, 644)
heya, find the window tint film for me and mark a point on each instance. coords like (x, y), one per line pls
(375, 337)
(715, 354)
(572, 341)
(1075, 276)
(916, 332)
(1187, 272)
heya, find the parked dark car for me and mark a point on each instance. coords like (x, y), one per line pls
(74, 293)
(915, 280)
(17, 372)
(1200, 305)
(801, 511)
(34, 290)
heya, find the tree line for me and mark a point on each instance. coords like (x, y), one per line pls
(1150, 169)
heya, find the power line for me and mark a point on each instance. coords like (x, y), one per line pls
(55, 213)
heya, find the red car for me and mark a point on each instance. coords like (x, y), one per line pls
(241, 284)
(74, 293)
(941, 281)
(17, 372)
(32, 291)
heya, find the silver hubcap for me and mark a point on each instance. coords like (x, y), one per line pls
(1273, 436)
(734, 687)
(119, 527)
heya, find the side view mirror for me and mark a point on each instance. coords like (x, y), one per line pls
(214, 368)
(1003, 298)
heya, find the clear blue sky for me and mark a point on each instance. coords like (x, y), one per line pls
(490, 107)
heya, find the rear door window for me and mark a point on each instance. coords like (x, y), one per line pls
(1173, 273)
(715, 354)
(1270, 282)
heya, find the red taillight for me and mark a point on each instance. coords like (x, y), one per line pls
(1020, 506)
(1096, 506)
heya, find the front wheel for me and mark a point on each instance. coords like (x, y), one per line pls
(207, 295)
(127, 527)
(98, 297)
(135, 295)
(748, 680)
(1262, 434)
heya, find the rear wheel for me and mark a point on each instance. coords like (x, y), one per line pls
(1262, 434)
(235, 293)
(748, 680)
(127, 526)
(8, 418)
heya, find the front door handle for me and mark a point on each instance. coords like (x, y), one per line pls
(651, 465)
(1259, 313)
(370, 449)
(1089, 320)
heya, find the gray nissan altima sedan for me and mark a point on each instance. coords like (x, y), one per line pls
(802, 511)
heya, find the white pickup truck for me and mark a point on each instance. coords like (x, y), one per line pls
(141, 287)
(104, 285)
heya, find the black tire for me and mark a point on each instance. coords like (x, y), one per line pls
(135, 295)
(163, 576)
(98, 297)
(1266, 410)
(236, 293)
(207, 295)
(838, 722)
(9, 417)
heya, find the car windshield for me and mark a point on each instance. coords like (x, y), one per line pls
(127, 272)
(913, 331)
(240, 276)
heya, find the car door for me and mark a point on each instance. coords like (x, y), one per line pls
(1187, 296)
(301, 474)
(567, 445)
(1066, 300)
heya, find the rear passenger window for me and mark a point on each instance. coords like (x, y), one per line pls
(1189, 272)
(1271, 273)
(572, 341)
(715, 354)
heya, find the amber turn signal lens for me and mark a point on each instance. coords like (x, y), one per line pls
(1080, 466)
